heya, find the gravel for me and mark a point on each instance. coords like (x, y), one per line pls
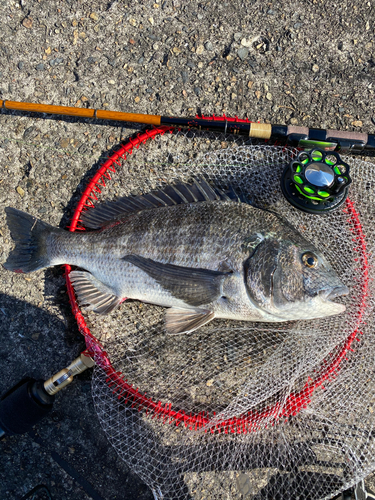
(243, 52)
(170, 58)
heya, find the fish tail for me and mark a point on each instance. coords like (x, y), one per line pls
(29, 235)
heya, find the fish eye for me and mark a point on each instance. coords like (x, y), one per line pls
(309, 259)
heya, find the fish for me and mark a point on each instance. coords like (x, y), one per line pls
(199, 251)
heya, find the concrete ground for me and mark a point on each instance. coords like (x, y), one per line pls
(308, 63)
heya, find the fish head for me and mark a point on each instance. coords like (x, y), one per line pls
(290, 279)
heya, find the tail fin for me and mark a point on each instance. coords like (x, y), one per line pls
(29, 235)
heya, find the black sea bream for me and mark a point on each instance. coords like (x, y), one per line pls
(190, 248)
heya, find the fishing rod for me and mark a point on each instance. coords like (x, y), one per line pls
(316, 181)
(327, 139)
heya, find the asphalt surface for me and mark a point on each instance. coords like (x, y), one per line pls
(309, 63)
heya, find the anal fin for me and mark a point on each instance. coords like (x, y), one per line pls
(93, 293)
(186, 320)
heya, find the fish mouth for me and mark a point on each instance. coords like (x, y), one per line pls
(338, 291)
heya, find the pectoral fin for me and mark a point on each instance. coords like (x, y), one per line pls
(93, 293)
(194, 286)
(186, 320)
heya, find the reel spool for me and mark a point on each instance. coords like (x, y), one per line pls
(316, 181)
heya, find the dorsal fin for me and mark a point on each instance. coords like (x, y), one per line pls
(109, 212)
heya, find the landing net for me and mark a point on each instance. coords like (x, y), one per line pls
(238, 409)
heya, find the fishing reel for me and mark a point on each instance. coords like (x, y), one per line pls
(316, 181)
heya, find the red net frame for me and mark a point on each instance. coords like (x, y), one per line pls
(250, 421)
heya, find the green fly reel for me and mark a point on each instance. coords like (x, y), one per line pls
(316, 181)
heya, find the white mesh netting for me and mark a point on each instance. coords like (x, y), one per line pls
(237, 409)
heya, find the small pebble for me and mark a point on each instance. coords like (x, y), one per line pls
(199, 50)
(83, 149)
(237, 37)
(245, 42)
(294, 121)
(269, 96)
(28, 132)
(20, 191)
(64, 143)
(315, 68)
(185, 76)
(357, 123)
(21, 65)
(27, 22)
(197, 91)
(94, 16)
(243, 52)
(208, 46)
(40, 67)
(210, 382)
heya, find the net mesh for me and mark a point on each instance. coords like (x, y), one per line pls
(239, 409)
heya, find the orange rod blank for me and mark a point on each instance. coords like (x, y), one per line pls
(81, 112)
(343, 141)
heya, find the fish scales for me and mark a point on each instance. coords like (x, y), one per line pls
(195, 236)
